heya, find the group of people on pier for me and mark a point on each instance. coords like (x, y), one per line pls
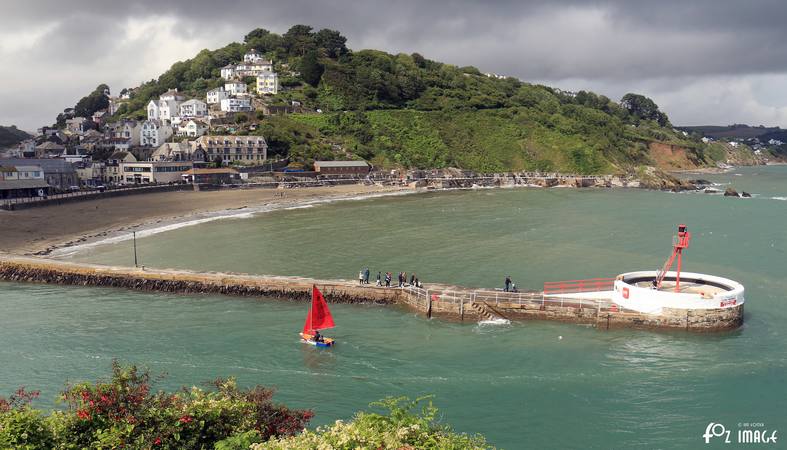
(387, 278)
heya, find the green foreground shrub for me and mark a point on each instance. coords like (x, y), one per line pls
(124, 413)
(399, 429)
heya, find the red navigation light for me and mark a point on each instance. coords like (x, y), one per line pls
(680, 242)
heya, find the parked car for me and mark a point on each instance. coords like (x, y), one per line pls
(101, 188)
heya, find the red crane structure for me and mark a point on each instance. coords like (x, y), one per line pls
(680, 242)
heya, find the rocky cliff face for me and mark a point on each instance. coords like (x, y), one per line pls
(654, 178)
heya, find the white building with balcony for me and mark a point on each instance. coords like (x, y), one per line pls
(236, 104)
(154, 133)
(215, 96)
(193, 108)
(268, 83)
(235, 88)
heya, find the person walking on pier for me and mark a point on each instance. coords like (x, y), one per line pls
(360, 277)
(366, 276)
(508, 283)
(388, 277)
(412, 279)
(379, 278)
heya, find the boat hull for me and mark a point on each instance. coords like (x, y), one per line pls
(307, 339)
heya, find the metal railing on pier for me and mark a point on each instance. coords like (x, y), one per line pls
(503, 298)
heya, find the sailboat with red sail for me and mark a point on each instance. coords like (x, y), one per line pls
(318, 318)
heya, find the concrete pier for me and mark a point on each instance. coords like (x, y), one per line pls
(441, 301)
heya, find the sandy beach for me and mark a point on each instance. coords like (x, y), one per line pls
(43, 229)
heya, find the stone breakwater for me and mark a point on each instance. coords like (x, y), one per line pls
(442, 301)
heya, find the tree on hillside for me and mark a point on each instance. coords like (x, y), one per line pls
(299, 39)
(332, 41)
(95, 101)
(643, 108)
(263, 40)
(311, 69)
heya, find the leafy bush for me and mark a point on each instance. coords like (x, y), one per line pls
(124, 412)
(399, 429)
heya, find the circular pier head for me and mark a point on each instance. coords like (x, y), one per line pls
(637, 291)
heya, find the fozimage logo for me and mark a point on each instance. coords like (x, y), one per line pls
(747, 433)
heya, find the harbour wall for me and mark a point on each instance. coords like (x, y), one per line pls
(440, 301)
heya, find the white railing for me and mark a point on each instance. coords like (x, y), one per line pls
(495, 298)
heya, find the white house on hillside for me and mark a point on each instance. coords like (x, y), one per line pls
(236, 104)
(215, 96)
(154, 133)
(252, 56)
(235, 87)
(193, 108)
(128, 129)
(253, 64)
(268, 83)
(253, 69)
(172, 94)
(192, 128)
(168, 109)
(228, 72)
(153, 110)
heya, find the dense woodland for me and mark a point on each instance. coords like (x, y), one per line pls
(408, 111)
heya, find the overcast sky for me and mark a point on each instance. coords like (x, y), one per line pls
(702, 61)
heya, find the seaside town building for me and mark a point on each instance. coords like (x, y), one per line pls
(268, 83)
(253, 56)
(193, 108)
(253, 65)
(244, 149)
(112, 171)
(26, 149)
(57, 172)
(236, 105)
(154, 133)
(143, 172)
(76, 124)
(92, 173)
(228, 72)
(215, 96)
(192, 128)
(22, 181)
(128, 129)
(49, 149)
(222, 175)
(341, 167)
(235, 88)
(178, 151)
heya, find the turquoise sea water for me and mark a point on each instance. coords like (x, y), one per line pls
(520, 384)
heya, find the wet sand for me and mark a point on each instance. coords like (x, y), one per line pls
(42, 229)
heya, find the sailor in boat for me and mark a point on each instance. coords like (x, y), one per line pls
(318, 337)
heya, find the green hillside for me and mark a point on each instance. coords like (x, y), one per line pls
(10, 136)
(408, 111)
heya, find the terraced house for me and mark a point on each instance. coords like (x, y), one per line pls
(244, 149)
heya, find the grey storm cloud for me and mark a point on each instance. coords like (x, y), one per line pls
(667, 49)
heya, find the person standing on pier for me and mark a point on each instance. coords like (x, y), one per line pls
(366, 276)
(412, 279)
(388, 277)
(360, 277)
(379, 278)
(508, 283)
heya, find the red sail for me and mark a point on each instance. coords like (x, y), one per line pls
(319, 316)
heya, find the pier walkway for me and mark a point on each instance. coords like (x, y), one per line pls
(435, 300)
